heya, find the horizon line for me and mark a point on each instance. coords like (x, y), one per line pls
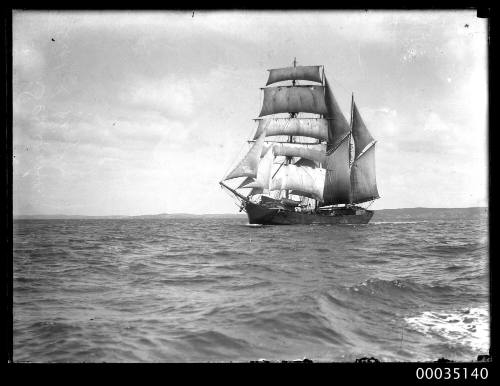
(215, 214)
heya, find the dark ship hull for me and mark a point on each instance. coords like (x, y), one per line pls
(275, 215)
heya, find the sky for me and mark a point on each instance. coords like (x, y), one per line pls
(129, 113)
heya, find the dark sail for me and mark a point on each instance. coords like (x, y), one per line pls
(363, 180)
(306, 99)
(337, 189)
(338, 127)
(294, 73)
(360, 133)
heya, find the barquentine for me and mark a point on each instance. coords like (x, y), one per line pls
(306, 164)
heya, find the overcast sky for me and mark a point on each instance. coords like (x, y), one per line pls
(126, 113)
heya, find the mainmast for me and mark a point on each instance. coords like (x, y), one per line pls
(288, 160)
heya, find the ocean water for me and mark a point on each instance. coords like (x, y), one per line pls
(409, 286)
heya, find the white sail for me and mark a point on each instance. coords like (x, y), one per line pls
(263, 172)
(248, 166)
(313, 152)
(245, 182)
(304, 127)
(300, 178)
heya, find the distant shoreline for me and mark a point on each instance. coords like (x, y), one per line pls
(417, 210)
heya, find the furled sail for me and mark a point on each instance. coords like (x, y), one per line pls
(248, 166)
(304, 127)
(285, 99)
(306, 162)
(314, 152)
(360, 133)
(300, 178)
(338, 127)
(337, 189)
(263, 172)
(363, 180)
(294, 73)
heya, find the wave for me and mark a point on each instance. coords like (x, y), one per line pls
(379, 286)
(404, 293)
(465, 326)
(309, 326)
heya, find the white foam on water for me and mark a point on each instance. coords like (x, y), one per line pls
(468, 326)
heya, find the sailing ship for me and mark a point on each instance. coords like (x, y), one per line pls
(305, 163)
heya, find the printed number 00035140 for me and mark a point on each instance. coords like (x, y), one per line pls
(451, 373)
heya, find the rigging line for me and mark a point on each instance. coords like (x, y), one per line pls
(277, 170)
(370, 204)
(340, 84)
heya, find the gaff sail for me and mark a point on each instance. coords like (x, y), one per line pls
(338, 127)
(363, 179)
(337, 188)
(360, 133)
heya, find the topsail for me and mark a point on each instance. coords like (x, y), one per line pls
(305, 127)
(294, 73)
(285, 99)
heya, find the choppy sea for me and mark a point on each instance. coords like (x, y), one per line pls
(409, 286)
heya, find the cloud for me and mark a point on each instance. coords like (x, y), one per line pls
(167, 96)
(27, 60)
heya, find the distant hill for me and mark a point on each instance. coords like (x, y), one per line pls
(429, 213)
